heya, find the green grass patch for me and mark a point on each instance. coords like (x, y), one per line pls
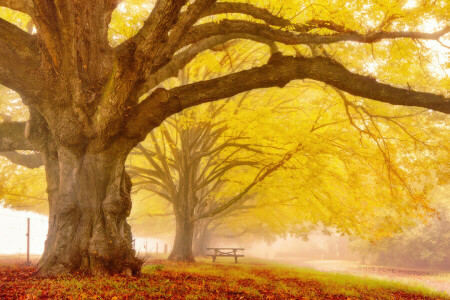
(296, 281)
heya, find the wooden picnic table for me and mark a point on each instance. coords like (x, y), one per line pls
(226, 252)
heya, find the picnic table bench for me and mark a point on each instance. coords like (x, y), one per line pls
(226, 252)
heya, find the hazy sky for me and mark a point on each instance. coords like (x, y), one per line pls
(13, 230)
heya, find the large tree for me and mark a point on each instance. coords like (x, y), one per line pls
(90, 102)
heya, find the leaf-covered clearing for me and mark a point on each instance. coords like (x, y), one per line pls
(162, 279)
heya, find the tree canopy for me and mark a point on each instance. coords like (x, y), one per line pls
(204, 161)
(91, 75)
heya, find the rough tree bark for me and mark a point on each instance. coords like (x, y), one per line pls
(85, 114)
(88, 229)
(89, 201)
(182, 247)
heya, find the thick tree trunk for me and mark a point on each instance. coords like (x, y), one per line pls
(182, 247)
(89, 197)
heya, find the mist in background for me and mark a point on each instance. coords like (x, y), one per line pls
(426, 246)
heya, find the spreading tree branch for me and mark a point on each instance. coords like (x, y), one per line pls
(146, 48)
(31, 161)
(206, 30)
(162, 168)
(279, 71)
(157, 41)
(180, 60)
(185, 22)
(19, 60)
(269, 18)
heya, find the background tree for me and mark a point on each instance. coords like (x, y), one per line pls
(91, 100)
(194, 160)
(192, 166)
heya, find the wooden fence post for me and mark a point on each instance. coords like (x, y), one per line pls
(28, 242)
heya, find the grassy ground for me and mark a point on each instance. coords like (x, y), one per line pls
(434, 279)
(204, 280)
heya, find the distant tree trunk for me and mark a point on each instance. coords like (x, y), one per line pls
(182, 247)
(88, 231)
(202, 237)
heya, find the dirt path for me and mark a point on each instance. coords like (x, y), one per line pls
(433, 280)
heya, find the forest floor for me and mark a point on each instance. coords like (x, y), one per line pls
(250, 279)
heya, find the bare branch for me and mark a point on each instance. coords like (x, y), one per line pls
(226, 145)
(263, 173)
(314, 128)
(157, 192)
(168, 179)
(221, 171)
(161, 215)
(163, 171)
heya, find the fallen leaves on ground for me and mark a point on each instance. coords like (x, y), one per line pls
(179, 281)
